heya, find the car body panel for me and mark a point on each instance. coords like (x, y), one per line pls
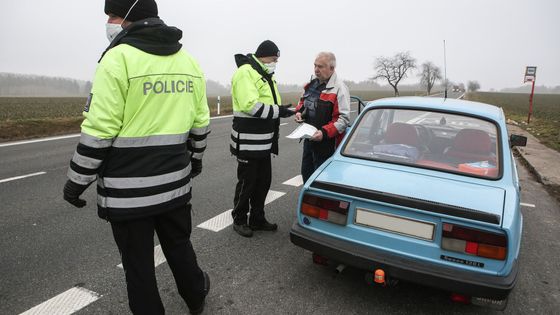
(414, 184)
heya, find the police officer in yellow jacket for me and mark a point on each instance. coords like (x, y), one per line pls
(254, 135)
(143, 138)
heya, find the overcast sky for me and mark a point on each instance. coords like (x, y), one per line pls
(487, 40)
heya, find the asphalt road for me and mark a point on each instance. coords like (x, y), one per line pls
(49, 247)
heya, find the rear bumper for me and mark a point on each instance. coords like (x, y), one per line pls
(366, 258)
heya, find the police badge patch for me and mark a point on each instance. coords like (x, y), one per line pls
(88, 102)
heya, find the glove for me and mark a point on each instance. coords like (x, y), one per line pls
(284, 111)
(196, 168)
(72, 192)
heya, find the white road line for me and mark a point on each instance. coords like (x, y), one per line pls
(8, 144)
(273, 195)
(527, 205)
(218, 223)
(21, 177)
(418, 119)
(296, 181)
(159, 257)
(223, 220)
(220, 117)
(76, 135)
(67, 302)
(283, 124)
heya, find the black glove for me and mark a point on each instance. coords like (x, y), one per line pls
(284, 111)
(72, 192)
(196, 167)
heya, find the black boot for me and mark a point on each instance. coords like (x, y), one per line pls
(200, 309)
(243, 230)
(263, 226)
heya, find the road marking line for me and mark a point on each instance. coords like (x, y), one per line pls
(283, 124)
(273, 195)
(21, 177)
(159, 257)
(223, 220)
(76, 135)
(220, 117)
(218, 223)
(8, 144)
(418, 119)
(296, 181)
(67, 302)
(527, 205)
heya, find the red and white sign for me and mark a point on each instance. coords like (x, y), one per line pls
(530, 74)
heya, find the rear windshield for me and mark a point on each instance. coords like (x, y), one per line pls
(442, 141)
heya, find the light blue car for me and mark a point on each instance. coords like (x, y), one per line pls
(423, 190)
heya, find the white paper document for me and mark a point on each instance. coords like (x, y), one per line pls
(303, 131)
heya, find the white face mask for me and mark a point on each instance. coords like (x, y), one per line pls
(112, 30)
(271, 67)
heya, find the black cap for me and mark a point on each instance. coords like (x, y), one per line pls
(142, 10)
(267, 49)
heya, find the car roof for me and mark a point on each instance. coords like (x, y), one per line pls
(440, 104)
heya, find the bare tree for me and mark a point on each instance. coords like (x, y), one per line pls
(429, 75)
(473, 86)
(394, 69)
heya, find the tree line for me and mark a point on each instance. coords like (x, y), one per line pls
(12, 84)
(398, 67)
(390, 69)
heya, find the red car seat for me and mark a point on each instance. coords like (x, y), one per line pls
(471, 145)
(401, 133)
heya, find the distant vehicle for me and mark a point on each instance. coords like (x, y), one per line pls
(456, 88)
(424, 190)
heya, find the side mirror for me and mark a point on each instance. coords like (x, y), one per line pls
(517, 141)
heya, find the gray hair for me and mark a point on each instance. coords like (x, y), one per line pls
(330, 57)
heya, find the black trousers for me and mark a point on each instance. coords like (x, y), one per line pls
(135, 240)
(254, 178)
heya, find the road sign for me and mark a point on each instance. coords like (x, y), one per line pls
(530, 74)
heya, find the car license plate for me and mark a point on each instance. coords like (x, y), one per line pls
(499, 305)
(395, 224)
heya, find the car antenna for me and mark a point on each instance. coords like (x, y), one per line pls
(444, 71)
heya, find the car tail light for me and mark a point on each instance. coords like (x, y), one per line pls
(474, 242)
(325, 209)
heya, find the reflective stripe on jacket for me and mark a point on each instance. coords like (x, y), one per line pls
(254, 131)
(146, 118)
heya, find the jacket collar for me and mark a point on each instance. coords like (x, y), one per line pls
(332, 81)
(150, 35)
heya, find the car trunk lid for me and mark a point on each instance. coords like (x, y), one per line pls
(422, 191)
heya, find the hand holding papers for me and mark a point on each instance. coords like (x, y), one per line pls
(303, 131)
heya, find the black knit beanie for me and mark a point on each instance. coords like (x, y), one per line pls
(267, 49)
(142, 10)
